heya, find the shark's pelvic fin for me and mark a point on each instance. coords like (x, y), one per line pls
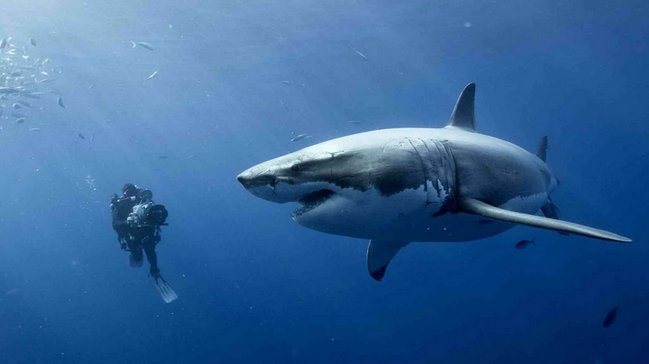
(476, 207)
(464, 110)
(543, 148)
(379, 255)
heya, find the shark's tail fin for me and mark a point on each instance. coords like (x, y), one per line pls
(543, 148)
(133, 44)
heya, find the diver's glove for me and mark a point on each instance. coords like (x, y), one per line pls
(122, 243)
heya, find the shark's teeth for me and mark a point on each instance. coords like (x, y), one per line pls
(312, 200)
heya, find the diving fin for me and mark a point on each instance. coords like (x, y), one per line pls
(379, 255)
(476, 207)
(166, 292)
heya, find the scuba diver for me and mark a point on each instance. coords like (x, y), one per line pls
(137, 221)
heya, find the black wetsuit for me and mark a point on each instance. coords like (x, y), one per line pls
(135, 239)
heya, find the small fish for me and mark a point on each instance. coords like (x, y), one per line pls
(163, 157)
(24, 103)
(524, 243)
(142, 44)
(3, 43)
(300, 137)
(12, 291)
(20, 120)
(81, 136)
(32, 41)
(354, 121)
(284, 104)
(34, 129)
(60, 102)
(46, 80)
(286, 82)
(359, 53)
(151, 76)
(16, 105)
(32, 95)
(610, 317)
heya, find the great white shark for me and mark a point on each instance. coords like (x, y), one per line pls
(396, 186)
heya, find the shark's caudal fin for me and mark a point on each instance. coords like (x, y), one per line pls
(464, 110)
(543, 148)
(379, 255)
(473, 206)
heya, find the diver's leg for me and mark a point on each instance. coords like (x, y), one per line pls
(149, 248)
(135, 258)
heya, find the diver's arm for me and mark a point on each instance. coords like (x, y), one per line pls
(120, 225)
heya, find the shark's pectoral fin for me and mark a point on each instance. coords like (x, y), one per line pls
(550, 210)
(379, 255)
(543, 149)
(473, 206)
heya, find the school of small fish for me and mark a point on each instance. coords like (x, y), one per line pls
(24, 80)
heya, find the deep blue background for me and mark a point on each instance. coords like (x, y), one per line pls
(253, 285)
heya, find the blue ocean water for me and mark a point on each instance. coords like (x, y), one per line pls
(236, 81)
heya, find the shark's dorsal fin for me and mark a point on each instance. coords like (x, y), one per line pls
(379, 255)
(473, 206)
(543, 148)
(464, 110)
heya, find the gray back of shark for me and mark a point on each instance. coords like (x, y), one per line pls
(396, 186)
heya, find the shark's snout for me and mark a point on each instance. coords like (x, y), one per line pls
(252, 178)
(260, 182)
(282, 180)
(267, 181)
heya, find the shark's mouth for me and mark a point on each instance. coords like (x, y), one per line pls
(312, 200)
